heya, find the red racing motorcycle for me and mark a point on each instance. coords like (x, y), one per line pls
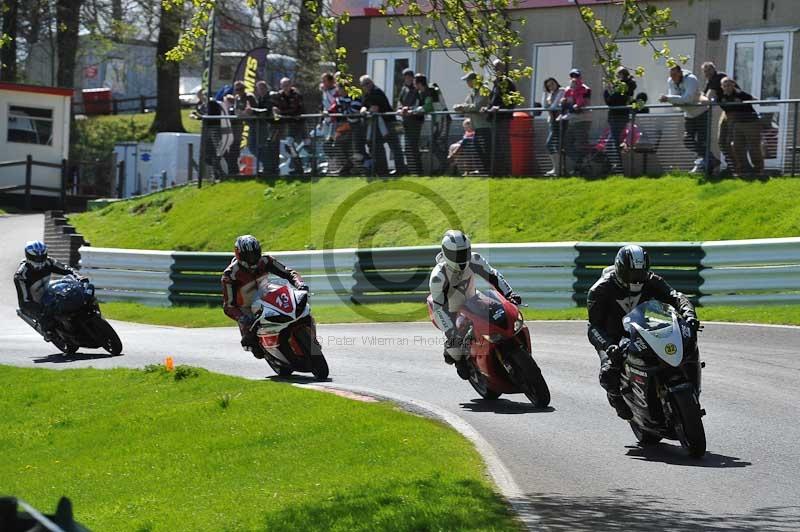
(499, 345)
(286, 331)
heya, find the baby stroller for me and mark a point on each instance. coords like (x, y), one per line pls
(598, 162)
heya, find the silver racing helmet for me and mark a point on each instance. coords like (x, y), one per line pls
(456, 249)
(631, 268)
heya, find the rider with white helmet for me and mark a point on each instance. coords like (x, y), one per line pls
(452, 282)
(32, 277)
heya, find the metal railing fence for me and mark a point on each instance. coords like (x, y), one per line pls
(598, 141)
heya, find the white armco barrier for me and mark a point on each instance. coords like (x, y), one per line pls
(128, 274)
(751, 272)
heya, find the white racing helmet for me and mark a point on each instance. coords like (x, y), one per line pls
(457, 249)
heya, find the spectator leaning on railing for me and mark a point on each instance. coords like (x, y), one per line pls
(744, 129)
(575, 120)
(431, 100)
(263, 133)
(407, 101)
(502, 121)
(381, 129)
(288, 105)
(683, 90)
(471, 108)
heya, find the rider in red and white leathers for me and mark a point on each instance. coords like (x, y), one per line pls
(240, 282)
(452, 282)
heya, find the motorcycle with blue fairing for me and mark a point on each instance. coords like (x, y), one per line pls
(661, 377)
(71, 305)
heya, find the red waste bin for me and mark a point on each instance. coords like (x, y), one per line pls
(523, 158)
(97, 101)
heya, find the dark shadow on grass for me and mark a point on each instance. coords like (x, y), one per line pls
(61, 358)
(676, 455)
(504, 406)
(420, 504)
(632, 511)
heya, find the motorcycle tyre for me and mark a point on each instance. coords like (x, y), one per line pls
(642, 436)
(319, 366)
(689, 423)
(534, 386)
(105, 335)
(479, 384)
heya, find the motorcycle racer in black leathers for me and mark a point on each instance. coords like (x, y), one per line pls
(452, 282)
(619, 290)
(30, 280)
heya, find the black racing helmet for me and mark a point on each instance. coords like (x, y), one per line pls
(631, 267)
(457, 249)
(248, 251)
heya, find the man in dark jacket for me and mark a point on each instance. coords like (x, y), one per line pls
(289, 106)
(620, 289)
(502, 87)
(381, 129)
(263, 131)
(412, 123)
(618, 95)
(743, 129)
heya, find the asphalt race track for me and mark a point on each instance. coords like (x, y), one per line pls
(578, 464)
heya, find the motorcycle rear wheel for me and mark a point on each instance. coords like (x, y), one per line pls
(689, 422)
(479, 384)
(532, 381)
(642, 436)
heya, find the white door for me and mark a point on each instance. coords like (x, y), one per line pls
(760, 64)
(551, 60)
(386, 70)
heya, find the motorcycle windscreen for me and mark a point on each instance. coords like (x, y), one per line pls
(489, 306)
(656, 323)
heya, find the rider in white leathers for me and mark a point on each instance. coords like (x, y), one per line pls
(452, 282)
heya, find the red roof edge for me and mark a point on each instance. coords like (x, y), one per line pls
(37, 89)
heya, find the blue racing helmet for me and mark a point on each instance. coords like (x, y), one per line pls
(36, 253)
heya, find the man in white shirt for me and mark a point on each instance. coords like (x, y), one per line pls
(683, 90)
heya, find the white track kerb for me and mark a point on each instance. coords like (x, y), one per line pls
(497, 470)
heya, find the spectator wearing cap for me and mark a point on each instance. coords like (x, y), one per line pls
(412, 123)
(683, 91)
(575, 120)
(472, 109)
(501, 89)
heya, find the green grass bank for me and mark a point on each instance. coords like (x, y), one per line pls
(354, 212)
(213, 316)
(147, 450)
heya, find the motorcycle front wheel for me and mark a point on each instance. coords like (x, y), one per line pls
(530, 378)
(319, 366)
(689, 422)
(105, 335)
(479, 384)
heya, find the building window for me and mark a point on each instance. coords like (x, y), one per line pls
(30, 125)
(551, 60)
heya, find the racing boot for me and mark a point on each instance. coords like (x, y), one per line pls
(609, 380)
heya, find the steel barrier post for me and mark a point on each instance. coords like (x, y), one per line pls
(163, 179)
(63, 184)
(794, 139)
(201, 166)
(629, 143)
(493, 144)
(28, 178)
(707, 158)
(373, 143)
(189, 171)
(121, 178)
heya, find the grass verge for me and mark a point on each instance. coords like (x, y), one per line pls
(293, 215)
(388, 312)
(193, 450)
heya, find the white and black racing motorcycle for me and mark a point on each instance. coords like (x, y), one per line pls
(286, 331)
(661, 377)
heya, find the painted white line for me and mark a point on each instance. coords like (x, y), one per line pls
(497, 470)
(740, 324)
